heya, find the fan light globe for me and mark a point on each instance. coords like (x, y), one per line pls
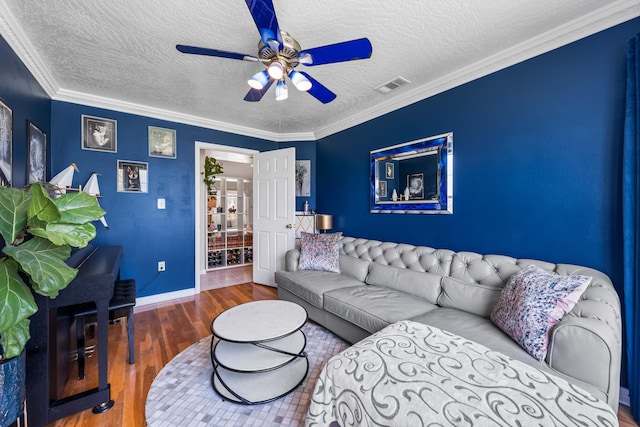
(276, 70)
(300, 81)
(259, 80)
(282, 92)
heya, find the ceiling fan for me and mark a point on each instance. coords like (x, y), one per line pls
(281, 54)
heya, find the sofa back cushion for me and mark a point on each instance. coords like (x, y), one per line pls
(420, 284)
(354, 267)
(416, 258)
(468, 296)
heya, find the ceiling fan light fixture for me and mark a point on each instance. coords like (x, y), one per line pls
(282, 92)
(300, 81)
(259, 80)
(276, 70)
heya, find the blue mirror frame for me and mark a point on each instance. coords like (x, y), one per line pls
(420, 172)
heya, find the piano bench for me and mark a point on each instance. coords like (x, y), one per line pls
(120, 305)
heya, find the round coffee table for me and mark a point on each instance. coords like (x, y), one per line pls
(259, 353)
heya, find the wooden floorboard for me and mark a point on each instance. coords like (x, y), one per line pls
(161, 332)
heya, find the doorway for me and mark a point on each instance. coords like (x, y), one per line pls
(231, 226)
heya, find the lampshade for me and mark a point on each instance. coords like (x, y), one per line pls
(300, 81)
(276, 70)
(282, 92)
(324, 222)
(259, 80)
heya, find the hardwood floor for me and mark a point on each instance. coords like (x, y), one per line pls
(162, 331)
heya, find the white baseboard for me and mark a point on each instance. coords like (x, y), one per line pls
(153, 299)
(624, 396)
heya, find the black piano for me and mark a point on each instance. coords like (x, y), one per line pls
(48, 361)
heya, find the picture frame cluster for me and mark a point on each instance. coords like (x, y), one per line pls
(100, 134)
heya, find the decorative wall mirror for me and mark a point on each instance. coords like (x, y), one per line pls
(413, 177)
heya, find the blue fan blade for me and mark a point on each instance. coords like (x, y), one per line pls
(213, 52)
(318, 91)
(339, 52)
(264, 15)
(255, 95)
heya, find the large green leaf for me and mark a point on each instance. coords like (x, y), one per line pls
(14, 339)
(78, 208)
(13, 213)
(42, 207)
(44, 263)
(16, 300)
(77, 235)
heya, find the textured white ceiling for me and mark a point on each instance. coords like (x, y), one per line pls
(121, 54)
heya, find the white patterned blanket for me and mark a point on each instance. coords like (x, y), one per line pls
(410, 374)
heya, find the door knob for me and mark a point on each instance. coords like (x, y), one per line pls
(289, 225)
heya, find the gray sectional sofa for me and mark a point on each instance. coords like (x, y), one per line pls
(381, 282)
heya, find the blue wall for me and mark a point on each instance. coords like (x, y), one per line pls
(537, 154)
(148, 235)
(21, 92)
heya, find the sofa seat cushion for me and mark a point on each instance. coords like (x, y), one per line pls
(479, 329)
(482, 330)
(311, 285)
(374, 307)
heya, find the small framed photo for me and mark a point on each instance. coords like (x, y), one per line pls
(133, 177)
(99, 134)
(162, 142)
(389, 170)
(6, 145)
(37, 149)
(382, 188)
(415, 183)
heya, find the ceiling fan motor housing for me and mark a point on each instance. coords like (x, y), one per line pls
(287, 55)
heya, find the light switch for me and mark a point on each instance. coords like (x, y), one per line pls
(161, 204)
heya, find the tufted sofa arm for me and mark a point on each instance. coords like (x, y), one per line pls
(291, 260)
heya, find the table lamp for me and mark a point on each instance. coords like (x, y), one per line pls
(324, 222)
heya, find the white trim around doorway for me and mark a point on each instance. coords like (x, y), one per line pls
(200, 228)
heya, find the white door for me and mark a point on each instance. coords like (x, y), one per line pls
(274, 208)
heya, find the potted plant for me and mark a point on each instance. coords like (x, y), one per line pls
(211, 168)
(38, 234)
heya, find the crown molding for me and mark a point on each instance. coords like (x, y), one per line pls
(173, 116)
(12, 32)
(608, 16)
(601, 19)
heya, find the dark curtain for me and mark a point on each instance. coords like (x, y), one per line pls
(631, 222)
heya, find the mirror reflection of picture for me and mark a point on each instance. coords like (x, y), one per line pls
(415, 183)
(303, 178)
(389, 170)
(382, 189)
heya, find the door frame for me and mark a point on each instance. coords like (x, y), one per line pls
(199, 217)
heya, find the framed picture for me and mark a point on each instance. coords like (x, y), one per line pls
(99, 134)
(389, 170)
(37, 149)
(382, 191)
(162, 142)
(6, 145)
(133, 177)
(303, 178)
(415, 182)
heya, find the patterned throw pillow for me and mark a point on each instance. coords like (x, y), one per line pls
(320, 252)
(533, 302)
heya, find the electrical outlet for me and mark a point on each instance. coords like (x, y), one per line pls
(160, 265)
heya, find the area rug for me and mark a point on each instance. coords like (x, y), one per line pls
(181, 394)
